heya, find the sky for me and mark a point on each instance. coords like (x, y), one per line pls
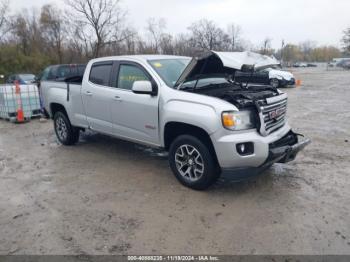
(322, 21)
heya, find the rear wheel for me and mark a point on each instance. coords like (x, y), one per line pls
(192, 162)
(275, 83)
(65, 132)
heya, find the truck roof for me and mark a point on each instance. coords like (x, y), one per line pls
(143, 58)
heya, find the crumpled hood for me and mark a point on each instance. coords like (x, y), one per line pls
(238, 60)
(273, 73)
(213, 62)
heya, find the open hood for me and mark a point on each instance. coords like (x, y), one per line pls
(213, 62)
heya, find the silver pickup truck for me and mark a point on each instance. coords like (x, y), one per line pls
(192, 108)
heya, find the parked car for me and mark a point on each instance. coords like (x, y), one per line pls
(62, 72)
(337, 62)
(268, 76)
(191, 108)
(311, 65)
(343, 63)
(299, 65)
(346, 65)
(23, 79)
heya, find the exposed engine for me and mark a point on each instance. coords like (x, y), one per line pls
(241, 97)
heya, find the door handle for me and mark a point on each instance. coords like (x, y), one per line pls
(117, 98)
(88, 93)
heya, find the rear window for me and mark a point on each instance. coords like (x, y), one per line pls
(100, 73)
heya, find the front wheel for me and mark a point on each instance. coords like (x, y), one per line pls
(192, 163)
(275, 83)
(65, 132)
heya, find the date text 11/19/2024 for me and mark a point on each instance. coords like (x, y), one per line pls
(173, 258)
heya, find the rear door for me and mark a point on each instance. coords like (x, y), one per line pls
(134, 116)
(97, 94)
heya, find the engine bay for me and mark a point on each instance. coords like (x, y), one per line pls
(236, 94)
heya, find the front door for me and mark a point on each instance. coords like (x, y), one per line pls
(134, 116)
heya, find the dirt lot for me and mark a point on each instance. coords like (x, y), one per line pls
(106, 196)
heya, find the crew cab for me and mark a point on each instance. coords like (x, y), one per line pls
(193, 108)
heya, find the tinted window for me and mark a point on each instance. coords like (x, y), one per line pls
(45, 74)
(128, 74)
(63, 72)
(100, 74)
(81, 70)
(10, 79)
(67, 71)
(52, 73)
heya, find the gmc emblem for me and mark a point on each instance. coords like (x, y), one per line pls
(276, 113)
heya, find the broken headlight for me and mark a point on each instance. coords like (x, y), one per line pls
(238, 120)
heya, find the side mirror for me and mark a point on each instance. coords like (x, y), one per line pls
(142, 87)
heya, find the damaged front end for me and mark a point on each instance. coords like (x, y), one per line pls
(214, 75)
(286, 149)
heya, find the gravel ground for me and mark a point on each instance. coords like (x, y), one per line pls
(106, 196)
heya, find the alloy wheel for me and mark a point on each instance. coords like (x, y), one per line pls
(61, 128)
(189, 162)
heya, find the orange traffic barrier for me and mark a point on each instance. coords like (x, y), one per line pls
(298, 82)
(20, 114)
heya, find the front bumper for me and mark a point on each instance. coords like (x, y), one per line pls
(281, 151)
(281, 145)
(287, 148)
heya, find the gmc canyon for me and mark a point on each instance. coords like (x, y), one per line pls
(193, 108)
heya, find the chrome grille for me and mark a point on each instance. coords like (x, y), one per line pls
(272, 113)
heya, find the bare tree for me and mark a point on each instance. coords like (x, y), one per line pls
(346, 40)
(266, 46)
(54, 29)
(207, 35)
(182, 45)
(155, 30)
(129, 38)
(306, 49)
(26, 31)
(99, 19)
(4, 10)
(234, 34)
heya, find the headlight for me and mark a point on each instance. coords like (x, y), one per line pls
(240, 120)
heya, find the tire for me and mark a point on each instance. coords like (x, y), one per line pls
(65, 132)
(274, 82)
(192, 163)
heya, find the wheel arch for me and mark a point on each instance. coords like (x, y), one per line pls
(57, 107)
(174, 129)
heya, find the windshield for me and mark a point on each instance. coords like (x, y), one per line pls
(27, 77)
(169, 69)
